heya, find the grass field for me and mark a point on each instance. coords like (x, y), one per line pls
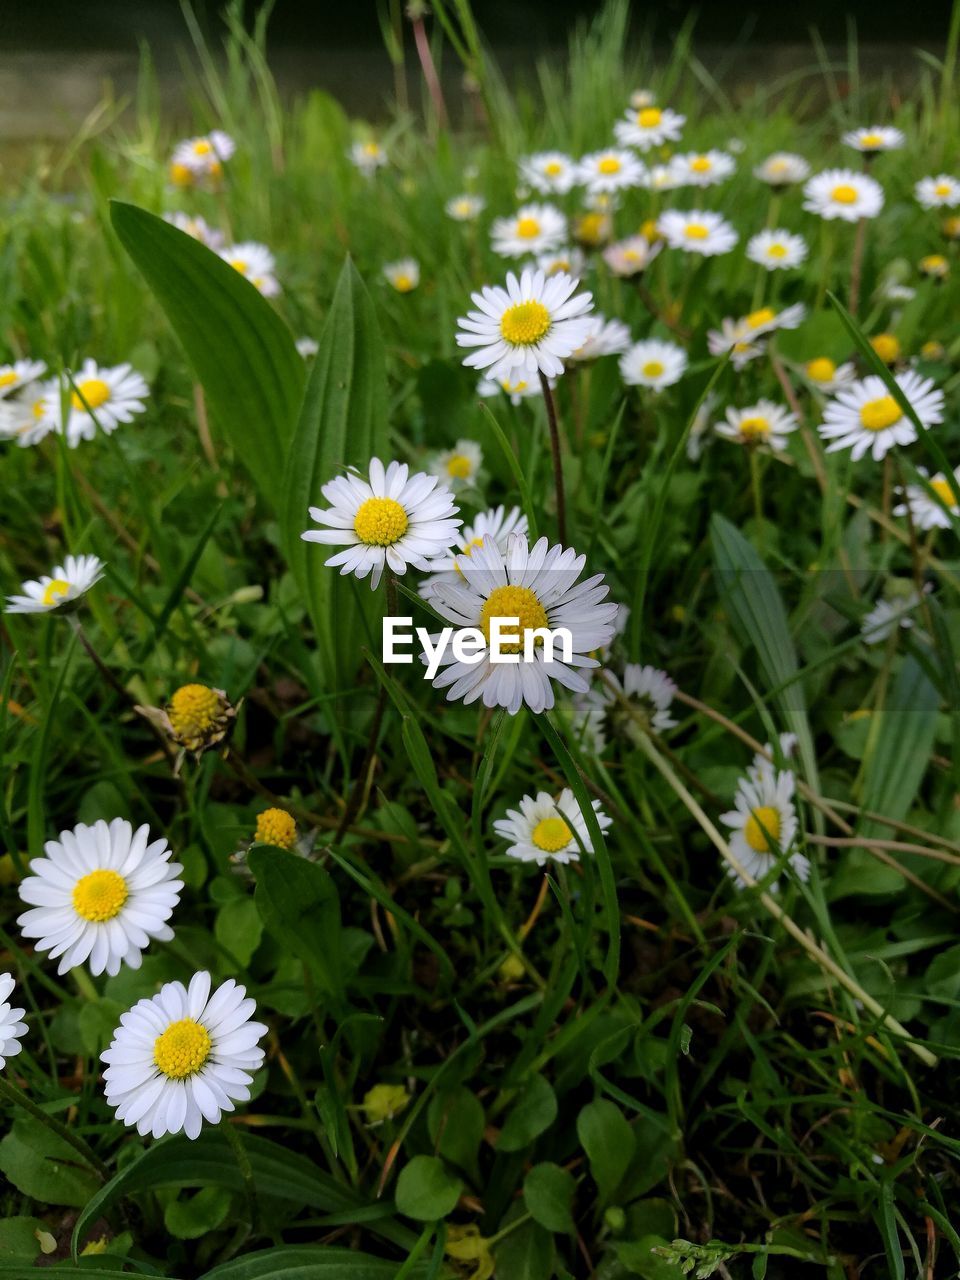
(646, 965)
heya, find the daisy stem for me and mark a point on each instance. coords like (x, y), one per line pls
(246, 1173)
(422, 42)
(15, 1095)
(551, 404)
(98, 662)
(812, 948)
(757, 493)
(856, 266)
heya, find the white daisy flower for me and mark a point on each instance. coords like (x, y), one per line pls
(699, 231)
(391, 520)
(844, 194)
(465, 207)
(12, 1029)
(567, 260)
(538, 585)
(535, 228)
(497, 523)
(864, 417)
(777, 250)
(631, 256)
(458, 466)
(760, 765)
(763, 826)
(14, 377)
(103, 398)
(941, 192)
(606, 338)
(733, 337)
(887, 615)
(653, 363)
(736, 145)
(549, 172)
(531, 326)
(925, 511)
(197, 228)
(101, 893)
(611, 170)
(307, 347)
(68, 582)
(649, 127)
(662, 177)
(255, 263)
(205, 154)
(29, 417)
(183, 1056)
(518, 389)
(404, 274)
(782, 168)
(367, 157)
(766, 320)
(702, 168)
(650, 693)
(545, 829)
(827, 376)
(761, 423)
(876, 137)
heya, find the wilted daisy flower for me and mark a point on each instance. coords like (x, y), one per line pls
(777, 250)
(368, 157)
(934, 265)
(459, 465)
(733, 337)
(11, 1028)
(518, 389)
(536, 228)
(663, 177)
(653, 363)
(763, 826)
(702, 168)
(204, 155)
(874, 138)
(782, 168)
(933, 350)
(649, 692)
(183, 1056)
(631, 256)
(532, 325)
(197, 228)
(465, 207)
(888, 615)
(763, 423)
(30, 416)
(404, 274)
(699, 231)
(14, 377)
(844, 194)
(592, 229)
(196, 718)
(104, 398)
(307, 347)
(383, 1102)
(68, 582)
(940, 192)
(545, 829)
(649, 127)
(101, 893)
(827, 376)
(606, 338)
(611, 170)
(926, 511)
(864, 417)
(276, 828)
(567, 260)
(390, 520)
(497, 523)
(255, 263)
(538, 586)
(549, 172)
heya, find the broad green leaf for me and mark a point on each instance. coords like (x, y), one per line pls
(343, 421)
(534, 1111)
(609, 1143)
(298, 904)
(526, 1253)
(456, 1122)
(548, 1194)
(308, 1262)
(18, 1238)
(239, 928)
(242, 352)
(426, 1190)
(194, 1216)
(43, 1166)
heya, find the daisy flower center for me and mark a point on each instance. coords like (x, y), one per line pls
(551, 835)
(380, 522)
(100, 895)
(180, 175)
(844, 194)
(757, 318)
(277, 828)
(371, 149)
(94, 393)
(942, 189)
(933, 263)
(609, 164)
(513, 602)
(778, 166)
(886, 346)
(402, 283)
(553, 169)
(240, 265)
(525, 323)
(55, 590)
(701, 164)
(777, 250)
(9, 378)
(871, 140)
(876, 415)
(182, 1049)
(943, 491)
(202, 147)
(528, 228)
(193, 710)
(754, 427)
(459, 466)
(649, 117)
(652, 369)
(762, 828)
(821, 370)
(696, 231)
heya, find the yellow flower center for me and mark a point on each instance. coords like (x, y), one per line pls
(277, 828)
(701, 164)
(943, 491)
(609, 164)
(762, 829)
(380, 522)
(202, 147)
(943, 188)
(876, 415)
(591, 228)
(752, 428)
(94, 393)
(871, 140)
(777, 251)
(39, 408)
(528, 228)
(886, 346)
(757, 318)
(844, 194)
(403, 283)
(9, 378)
(821, 370)
(696, 231)
(182, 1049)
(525, 323)
(652, 369)
(512, 602)
(778, 166)
(934, 264)
(55, 590)
(553, 169)
(100, 895)
(459, 466)
(240, 265)
(181, 175)
(551, 835)
(371, 149)
(194, 710)
(649, 117)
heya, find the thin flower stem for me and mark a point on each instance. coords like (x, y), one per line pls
(422, 43)
(551, 404)
(856, 266)
(757, 494)
(97, 661)
(246, 1173)
(20, 1099)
